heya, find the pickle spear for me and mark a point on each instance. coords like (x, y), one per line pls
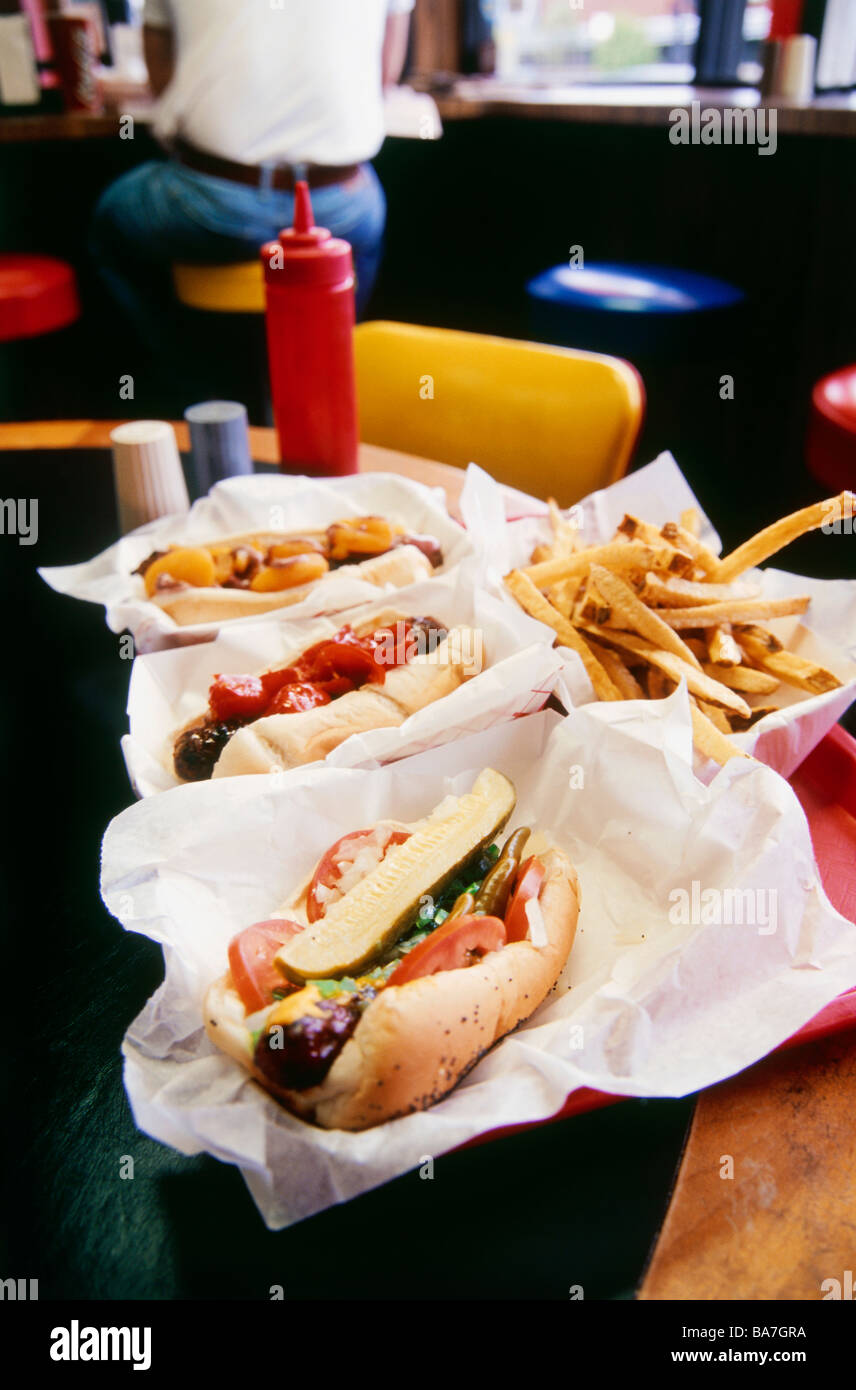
(373, 915)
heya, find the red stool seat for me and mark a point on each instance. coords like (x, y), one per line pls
(37, 295)
(831, 441)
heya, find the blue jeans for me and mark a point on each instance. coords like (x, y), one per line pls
(163, 212)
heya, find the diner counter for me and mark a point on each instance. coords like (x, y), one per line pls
(38, 435)
(69, 125)
(473, 97)
(648, 105)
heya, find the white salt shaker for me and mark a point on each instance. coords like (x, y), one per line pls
(147, 473)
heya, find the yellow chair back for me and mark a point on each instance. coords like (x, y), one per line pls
(551, 421)
(222, 289)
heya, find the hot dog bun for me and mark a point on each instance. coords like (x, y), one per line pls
(414, 1042)
(404, 565)
(289, 740)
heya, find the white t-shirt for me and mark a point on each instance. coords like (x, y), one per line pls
(266, 80)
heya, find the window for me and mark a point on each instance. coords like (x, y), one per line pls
(556, 42)
(756, 27)
(550, 44)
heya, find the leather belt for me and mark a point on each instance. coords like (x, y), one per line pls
(280, 176)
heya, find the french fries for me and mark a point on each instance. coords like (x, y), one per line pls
(564, 532)
(637, 530)
(537, 606)
(672, 592)
(768, 640)
(702, 554)
(628, 612)
(677, 670)
(691, 520)
(710, 742)
(722, 648)
(717, 716)
(659, 685)
(781, 533)
(564, 535)
(746, 678)
(564, 594)
(618, 555)
(794, 670)
(654, 606)
(741, 725)
(620, 674)
(740, 611)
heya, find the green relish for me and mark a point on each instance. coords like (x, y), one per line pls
(428, 920)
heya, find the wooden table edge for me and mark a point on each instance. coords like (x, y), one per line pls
(95, 434)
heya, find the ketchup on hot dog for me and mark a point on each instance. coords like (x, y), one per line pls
(332, 667)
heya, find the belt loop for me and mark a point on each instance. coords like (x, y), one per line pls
(267, 170)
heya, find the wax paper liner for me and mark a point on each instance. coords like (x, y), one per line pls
(263, 502)
(517, 670)
(659, 493)
(656, 1000)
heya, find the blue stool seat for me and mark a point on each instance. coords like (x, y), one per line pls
(613, 307)
(633, 289)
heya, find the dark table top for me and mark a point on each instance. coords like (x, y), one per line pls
(578, 1202)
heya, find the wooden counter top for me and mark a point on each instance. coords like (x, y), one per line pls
(649, 105)
(777, 1221)
(70, 125)
(95, 434)
(475, 97)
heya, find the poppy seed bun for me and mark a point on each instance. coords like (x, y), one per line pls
(415, 1042)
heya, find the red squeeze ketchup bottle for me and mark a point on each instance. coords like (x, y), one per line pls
(309, 288)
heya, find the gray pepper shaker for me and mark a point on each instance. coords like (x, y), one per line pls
(219, 442)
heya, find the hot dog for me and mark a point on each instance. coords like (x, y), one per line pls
(370, 677)
(258, 572)
(410, 951)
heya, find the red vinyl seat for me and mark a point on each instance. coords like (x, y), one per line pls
(831, 439)
(38, 294)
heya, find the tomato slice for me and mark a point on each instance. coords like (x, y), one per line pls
(342, 655)
(391, 646)
(352, 658)
(529, 881)
(294, 699)
(237, 697)
(460, 942)
(338, 864)
(330, 668)
(251, 954)
(272, 681)
(336, 686)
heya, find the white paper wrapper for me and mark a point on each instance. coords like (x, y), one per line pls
(647, 1006)
(659, 493)
(519, 670)
(263, 502)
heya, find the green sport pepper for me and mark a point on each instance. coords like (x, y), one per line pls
(462, 905)
(492, 898)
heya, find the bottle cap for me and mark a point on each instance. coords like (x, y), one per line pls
(219, 441)
(305, 254)
(147, 473)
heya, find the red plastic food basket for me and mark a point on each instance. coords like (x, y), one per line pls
(826, 787)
